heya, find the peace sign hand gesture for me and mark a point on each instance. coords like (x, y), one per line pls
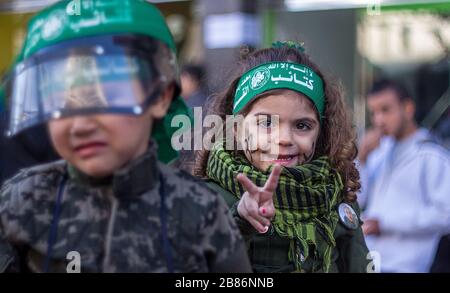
(256, 204)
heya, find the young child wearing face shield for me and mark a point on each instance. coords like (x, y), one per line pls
(106, 84)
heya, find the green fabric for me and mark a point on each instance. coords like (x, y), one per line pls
(62, 21)
(163, 131)
(278, 75)
(305, 201)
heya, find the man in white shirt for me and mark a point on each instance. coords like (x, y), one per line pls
(405, 180)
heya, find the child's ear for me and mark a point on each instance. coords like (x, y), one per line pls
(159, 108)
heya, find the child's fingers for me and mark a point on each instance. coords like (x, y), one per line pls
(267, 210)
(258, 226)
(250, 210)
(262, 220)
(247, 184)
(250, 214)
(272, 182)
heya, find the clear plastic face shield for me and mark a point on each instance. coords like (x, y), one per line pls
(121, 74)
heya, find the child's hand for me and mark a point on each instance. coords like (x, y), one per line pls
(256, 204)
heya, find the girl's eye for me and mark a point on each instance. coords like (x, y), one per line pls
(266, 123)
(303, 126)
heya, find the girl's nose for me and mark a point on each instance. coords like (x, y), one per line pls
(284, 136)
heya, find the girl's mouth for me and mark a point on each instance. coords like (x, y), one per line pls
(286, 160)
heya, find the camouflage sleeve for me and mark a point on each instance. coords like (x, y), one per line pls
(222, 233)
(247, 230)
(9, 260)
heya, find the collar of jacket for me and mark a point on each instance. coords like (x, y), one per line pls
(136, 178)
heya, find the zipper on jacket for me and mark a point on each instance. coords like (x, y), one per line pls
(106, 267)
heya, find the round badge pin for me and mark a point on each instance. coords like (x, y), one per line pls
(348, 216)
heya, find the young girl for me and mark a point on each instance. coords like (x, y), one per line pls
(300, 216)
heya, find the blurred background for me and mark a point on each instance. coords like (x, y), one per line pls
(355, 41)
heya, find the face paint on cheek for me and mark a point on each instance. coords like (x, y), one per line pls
(307, 157)
(249, 150)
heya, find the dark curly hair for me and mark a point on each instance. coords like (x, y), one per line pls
(337, 138)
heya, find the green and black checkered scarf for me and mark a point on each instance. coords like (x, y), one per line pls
(304, 201)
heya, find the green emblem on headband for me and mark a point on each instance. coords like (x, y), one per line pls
(279, 75)
(259, 78)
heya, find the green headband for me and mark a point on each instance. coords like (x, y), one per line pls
(59, 23)
(279, 75)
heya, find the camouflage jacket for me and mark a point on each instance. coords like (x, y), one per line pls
(117, 224)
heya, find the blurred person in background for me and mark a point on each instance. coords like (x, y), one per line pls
(405, 186)
(192, 77)
(192, 88)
